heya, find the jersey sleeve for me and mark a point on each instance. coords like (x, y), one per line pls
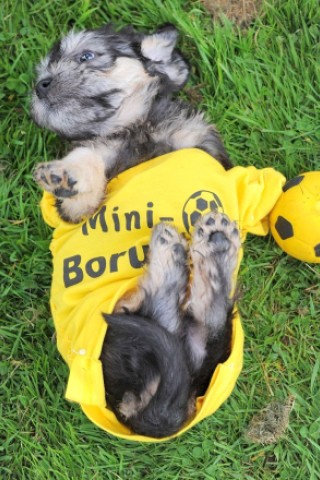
(49, 210)
(257, 192)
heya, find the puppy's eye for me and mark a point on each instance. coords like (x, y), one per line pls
(87, 56)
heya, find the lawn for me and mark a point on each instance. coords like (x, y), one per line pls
(260, 85)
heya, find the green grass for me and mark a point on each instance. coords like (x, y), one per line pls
(261, 87)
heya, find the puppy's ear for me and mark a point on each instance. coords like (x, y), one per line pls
(162, 57)
(159, 46)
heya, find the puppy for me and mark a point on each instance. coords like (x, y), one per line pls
(111, 94)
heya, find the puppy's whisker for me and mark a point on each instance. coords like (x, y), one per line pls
(198, 252)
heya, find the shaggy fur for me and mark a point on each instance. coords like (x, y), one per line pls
(111, 94)
(160, 353)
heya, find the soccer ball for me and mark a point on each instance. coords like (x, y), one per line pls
(295, 219)
(197, 205)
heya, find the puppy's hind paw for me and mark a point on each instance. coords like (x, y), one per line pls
(168, 245)
(217, 233)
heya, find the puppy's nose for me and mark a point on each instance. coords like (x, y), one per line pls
(42, 87)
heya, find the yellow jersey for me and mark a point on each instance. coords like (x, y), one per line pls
(97, 261)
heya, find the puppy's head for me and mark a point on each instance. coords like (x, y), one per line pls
(94, 82)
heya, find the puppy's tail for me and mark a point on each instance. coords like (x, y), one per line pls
(146, 375)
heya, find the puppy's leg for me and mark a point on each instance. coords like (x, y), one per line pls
(78, 182)
(214, 254)
(162, 289)
(148, 379)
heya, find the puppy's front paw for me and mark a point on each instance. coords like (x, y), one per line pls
(78, 182)
(56, 179)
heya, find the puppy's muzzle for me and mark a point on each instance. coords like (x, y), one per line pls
(42, 88)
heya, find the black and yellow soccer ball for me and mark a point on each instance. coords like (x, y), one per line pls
(295, 219)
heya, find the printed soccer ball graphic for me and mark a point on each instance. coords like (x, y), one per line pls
(295, 220)
(197, 205)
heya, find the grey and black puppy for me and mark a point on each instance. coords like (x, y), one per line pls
(111, 94)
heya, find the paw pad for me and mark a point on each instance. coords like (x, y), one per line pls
(218, 232)
(53, 179)
(211, 221)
